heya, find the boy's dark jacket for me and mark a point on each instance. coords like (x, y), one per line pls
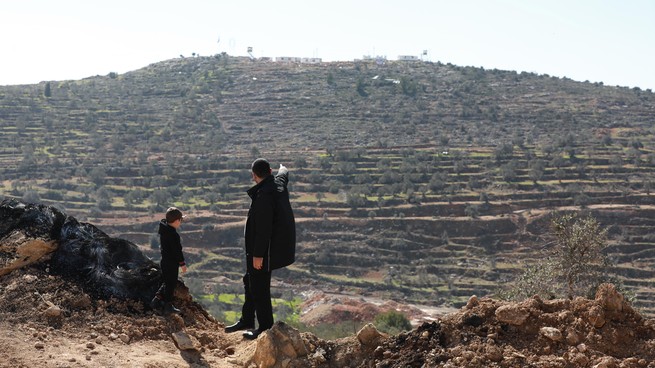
(271, 227)
(171, 246)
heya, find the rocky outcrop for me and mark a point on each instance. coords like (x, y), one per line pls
(108, 267)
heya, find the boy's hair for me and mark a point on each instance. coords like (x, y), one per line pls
(173, 214)
(261, 168)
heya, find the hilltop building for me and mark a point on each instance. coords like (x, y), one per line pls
(293, 59)
(407, 58)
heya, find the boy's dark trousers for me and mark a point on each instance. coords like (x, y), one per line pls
(169, 273)
(257, 286)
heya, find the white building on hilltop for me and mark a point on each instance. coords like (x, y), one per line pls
(407, 58)
(293, 59)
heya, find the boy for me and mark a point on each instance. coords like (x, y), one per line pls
(171, 260)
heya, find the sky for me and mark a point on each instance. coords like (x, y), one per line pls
(609, 41)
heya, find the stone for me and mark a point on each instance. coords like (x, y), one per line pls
(596, 316)
(551, 333)
(610, 299)
(368, 335)
(53, 312)
(319, 356)
(183, 341)
(279, 346)
(472, 302)
(606, 362)
(494, 353)
(512, 314)
(124, 338)
(572, 337)
(113, 336)
(39, 345)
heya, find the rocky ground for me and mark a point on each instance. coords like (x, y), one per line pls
(50, 321)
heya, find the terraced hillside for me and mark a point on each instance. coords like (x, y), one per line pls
(420, 182)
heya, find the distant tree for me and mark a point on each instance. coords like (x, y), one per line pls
(472, 210)
(330, 79)
(438, 182)
(300, 162)
(579, 245)
(504, 151)
(537, 168)
(361, 87)
(575, 266)
(97, 175)
(104, 198)
(392, 322)
(616, 163)
(408, 86)
(508, 171)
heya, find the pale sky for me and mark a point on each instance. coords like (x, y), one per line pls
(609, 41)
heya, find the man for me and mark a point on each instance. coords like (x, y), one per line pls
(270, 237)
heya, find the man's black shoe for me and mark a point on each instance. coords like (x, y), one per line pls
(240, 325)
(252, 334)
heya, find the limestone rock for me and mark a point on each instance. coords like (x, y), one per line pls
(278, 346)
(596, 316)
(368, 335)
(551, 333)
(609, 298)
(183, 341)
(512, 314)
(472, 302)
(53, 312)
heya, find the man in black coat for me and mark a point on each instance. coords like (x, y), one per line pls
(270, 244)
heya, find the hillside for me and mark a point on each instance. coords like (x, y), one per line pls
(421, 182)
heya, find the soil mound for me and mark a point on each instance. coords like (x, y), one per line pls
(60, 320)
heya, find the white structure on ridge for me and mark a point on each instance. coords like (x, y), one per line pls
(407, 58)
(292, 59)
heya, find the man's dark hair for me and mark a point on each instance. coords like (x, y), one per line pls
(261, 168)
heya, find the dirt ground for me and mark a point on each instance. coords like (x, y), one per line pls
(49, 321)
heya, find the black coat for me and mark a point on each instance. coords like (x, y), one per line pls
(271, 227)
(170, 245)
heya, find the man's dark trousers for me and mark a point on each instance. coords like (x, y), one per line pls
(257, 286)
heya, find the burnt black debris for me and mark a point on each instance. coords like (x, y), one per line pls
(105, 266)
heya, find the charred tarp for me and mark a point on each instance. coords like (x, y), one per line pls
(104, 266)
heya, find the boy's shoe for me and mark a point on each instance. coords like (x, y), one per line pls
(156, 303)
(169, 308)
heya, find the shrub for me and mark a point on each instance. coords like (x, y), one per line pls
(392, 322)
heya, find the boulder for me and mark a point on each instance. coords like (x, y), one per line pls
(368, 335)
(512, 314)
(183, 341)
(610, 299)
(278, 346)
